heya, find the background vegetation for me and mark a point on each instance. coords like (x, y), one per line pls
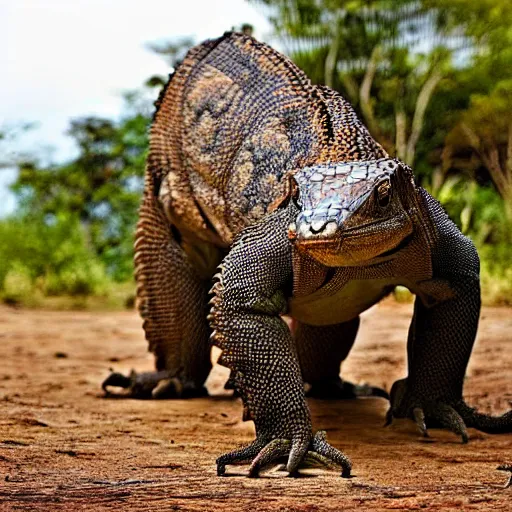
(431, 79)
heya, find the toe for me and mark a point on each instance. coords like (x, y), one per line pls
(322, 447)
(450, 419)
(273, 451)
(240, 456)
(117, 380)
(419, 419)
(297, 452)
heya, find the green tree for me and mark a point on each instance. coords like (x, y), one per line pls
(481, 135)
(101, 187)
(486, 130)
(374, 52)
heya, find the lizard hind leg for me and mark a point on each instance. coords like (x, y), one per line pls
(321, 350)
(172, 300)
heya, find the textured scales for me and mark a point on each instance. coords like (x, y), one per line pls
(329, 193)
(234, 120)
(271, 188)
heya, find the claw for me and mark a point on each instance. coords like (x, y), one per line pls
(167, 387)
(159, 384)
(315, 452)
(322, 447)
(484, 422)
(506, 467)
(313, 459)
(238, 456)
(389, 417)
(453, 415)
(451, 419)
(275, 449)
(297, 452)
(419, 419)
(117, 380)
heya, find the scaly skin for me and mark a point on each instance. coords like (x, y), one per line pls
(253, 166)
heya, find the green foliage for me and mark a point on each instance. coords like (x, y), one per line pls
(72, 233)
(481, 215)
(38, 258)
(100, 188)
(496, 274)
(478, 211)
(17, 284)
(431, 79)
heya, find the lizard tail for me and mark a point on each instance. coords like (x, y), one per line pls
(485, 423)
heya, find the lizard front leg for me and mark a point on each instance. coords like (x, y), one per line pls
(259, 349)
(441, 338)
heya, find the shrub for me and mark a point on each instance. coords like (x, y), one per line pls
(52, 257)
(18, 285)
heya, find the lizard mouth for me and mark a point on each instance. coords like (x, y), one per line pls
(319, 243)
(360, 245)
(351, 234)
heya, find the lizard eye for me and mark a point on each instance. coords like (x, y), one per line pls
(383, 193)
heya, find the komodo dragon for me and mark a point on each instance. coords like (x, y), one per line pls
(254, 168)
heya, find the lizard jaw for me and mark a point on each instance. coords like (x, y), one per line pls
(358, 246)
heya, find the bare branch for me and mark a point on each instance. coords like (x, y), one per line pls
(351, 87)
(332, 58)
(490, 158)
(419, 113)
(472, 137)
(364, 93)
(401, 126)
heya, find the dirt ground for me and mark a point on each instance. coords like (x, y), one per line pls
(63, 447)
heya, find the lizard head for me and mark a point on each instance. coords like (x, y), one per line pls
(353, 212)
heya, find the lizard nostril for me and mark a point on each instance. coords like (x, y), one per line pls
(317, 226)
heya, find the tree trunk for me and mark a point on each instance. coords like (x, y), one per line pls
(401, 127)
(364, 93)
(351, 88)
(332, 58)
(419, 114)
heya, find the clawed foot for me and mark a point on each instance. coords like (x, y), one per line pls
(507, 467)
(151, 385)
(261, 454)
(455, 416)
(338, 389)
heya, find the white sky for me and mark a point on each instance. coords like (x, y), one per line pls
(69, 58)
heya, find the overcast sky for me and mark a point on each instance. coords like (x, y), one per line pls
(70, 58)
